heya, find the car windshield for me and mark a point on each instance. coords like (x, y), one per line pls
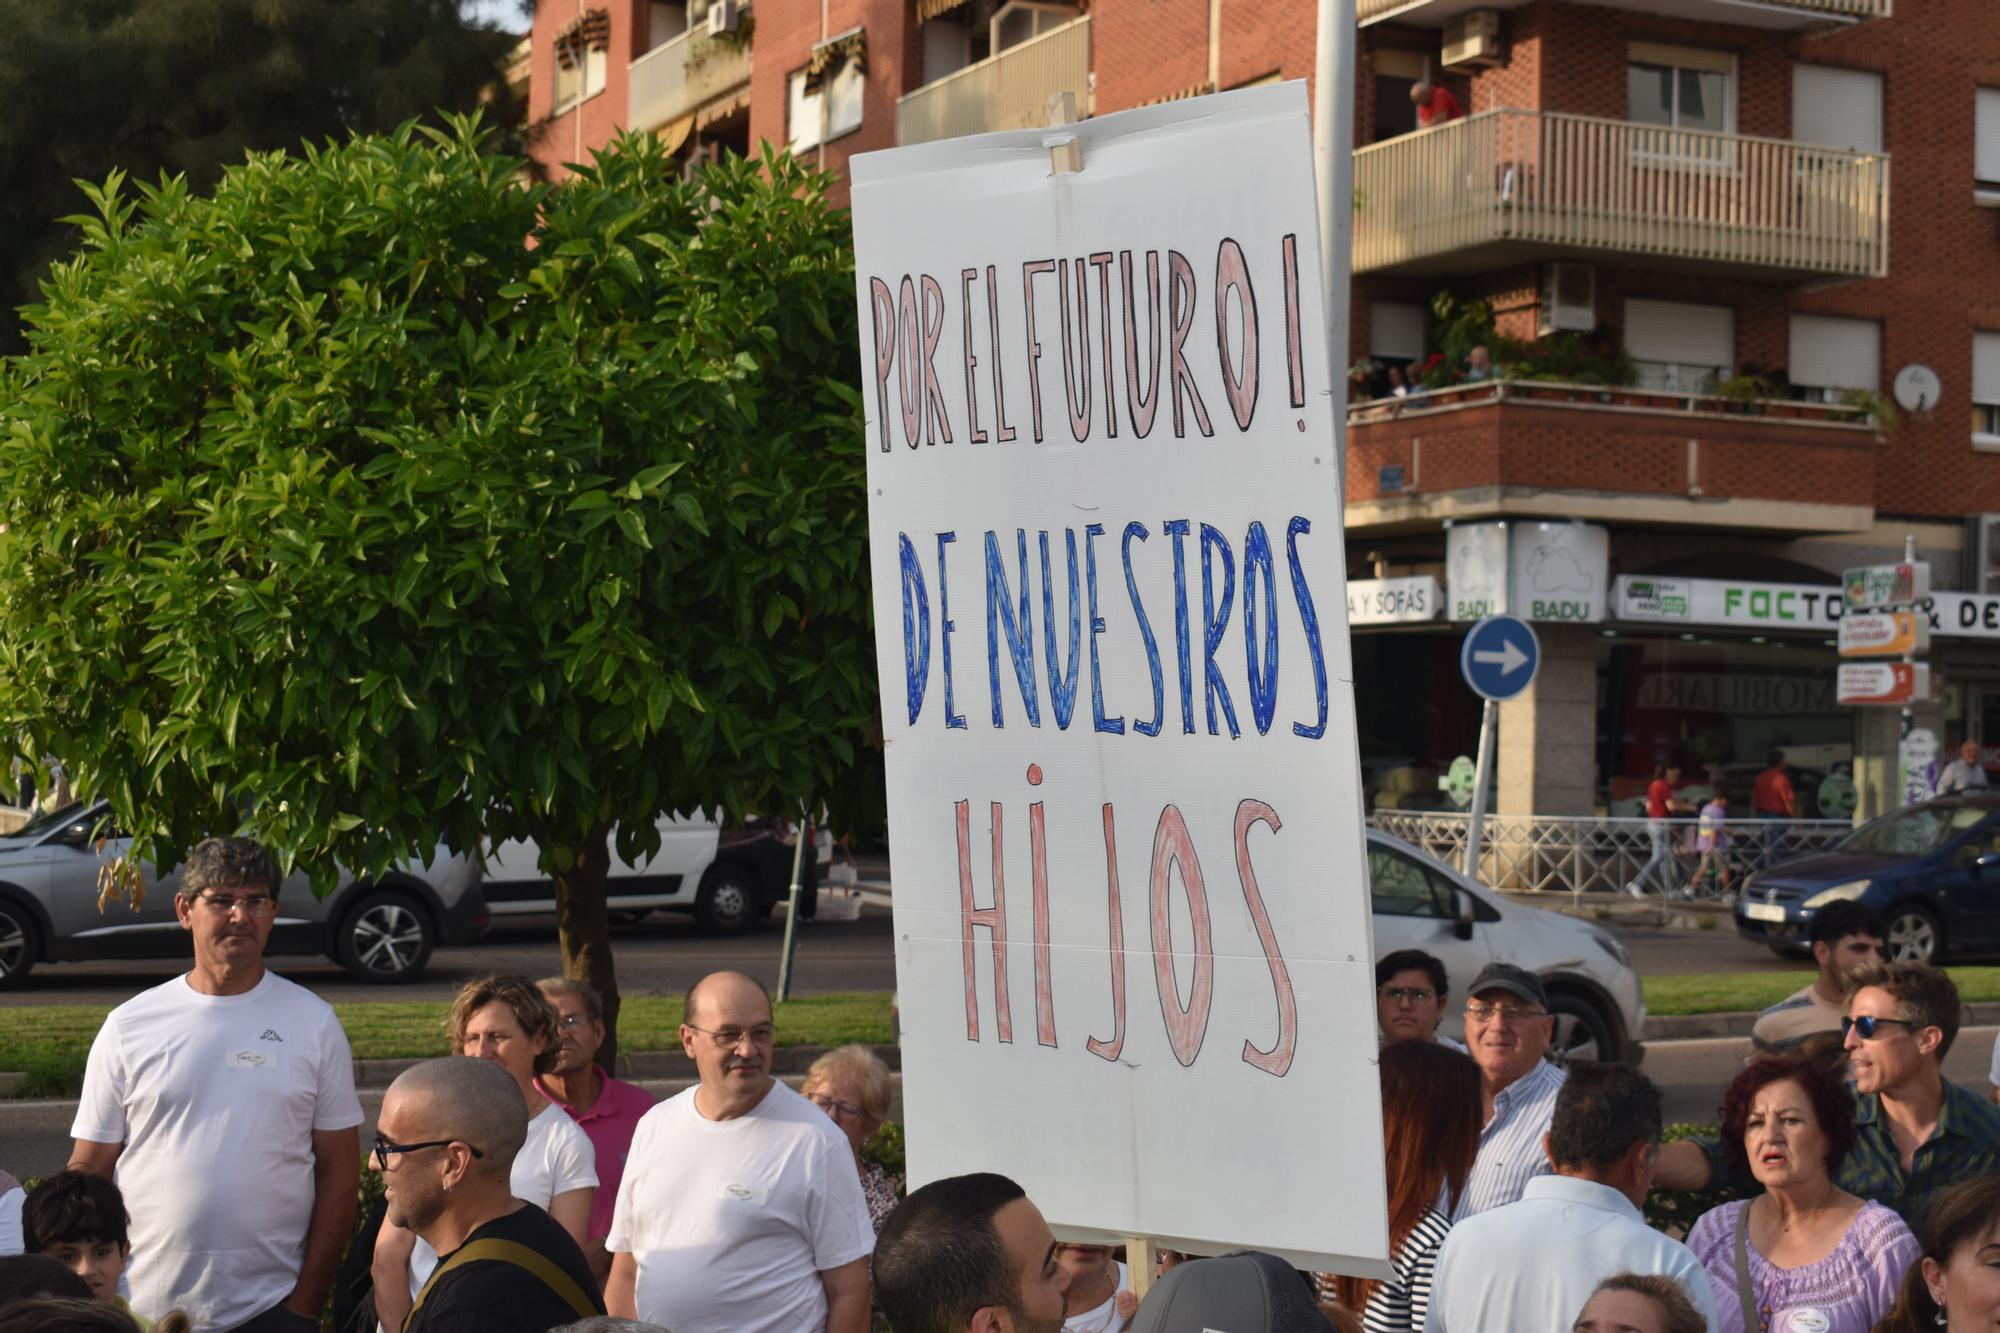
(48, 821)
(1913, 832)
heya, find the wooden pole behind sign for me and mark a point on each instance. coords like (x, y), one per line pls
(1142, 1256)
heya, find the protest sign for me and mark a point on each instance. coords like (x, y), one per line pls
(1131, 908)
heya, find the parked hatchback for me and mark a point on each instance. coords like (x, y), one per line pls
(381, 929)
(1931, 871)
(1422, 903)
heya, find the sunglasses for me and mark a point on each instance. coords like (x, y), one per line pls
(1870, 1027)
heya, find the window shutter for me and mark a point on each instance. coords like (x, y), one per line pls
(1988, 135)
(1680, 334)
(1836, 353)
(1396, 328)
(1837, 108)
(1986, 368)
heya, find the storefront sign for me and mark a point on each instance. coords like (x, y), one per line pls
(1884, 633)
(1393, 601)
(1476, 568)
(1459, 780)
(1727, 602)
(1837, 796)
(1117, 695)
(1561, 571)
(1733, 692)
(1870, 586)
(1882, 682)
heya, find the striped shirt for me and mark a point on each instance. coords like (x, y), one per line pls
(1399, 1306)
(1510, 1147)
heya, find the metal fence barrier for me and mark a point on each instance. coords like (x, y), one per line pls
(1596, 854)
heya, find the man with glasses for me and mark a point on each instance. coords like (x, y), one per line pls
(1410, 993)
(1915, 1132)
(740, 1210)
(223, 1104)
(1508, 1028)
(605, 1108)
(445, 1143)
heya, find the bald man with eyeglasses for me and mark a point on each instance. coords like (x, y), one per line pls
(223, 1104)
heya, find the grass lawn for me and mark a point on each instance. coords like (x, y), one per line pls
(1733, 991)
(50, 1042)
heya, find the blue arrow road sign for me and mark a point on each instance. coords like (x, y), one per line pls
(1499, 657)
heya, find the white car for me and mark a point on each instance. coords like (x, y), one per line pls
(1421, 903)
(730, 880)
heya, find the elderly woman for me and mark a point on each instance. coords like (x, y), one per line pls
(505, 1019)
(1955, 1288)
(1805, 1253)
(851, 1084)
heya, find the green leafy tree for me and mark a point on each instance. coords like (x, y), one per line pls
(187, 86)
(336, 512)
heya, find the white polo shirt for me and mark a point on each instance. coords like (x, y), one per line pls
(216, 1099)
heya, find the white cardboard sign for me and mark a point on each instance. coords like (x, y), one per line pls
(1133, 940)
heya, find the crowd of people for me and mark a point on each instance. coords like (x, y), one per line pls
(213, 1180)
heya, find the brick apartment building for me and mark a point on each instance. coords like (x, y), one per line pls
(1697, 191)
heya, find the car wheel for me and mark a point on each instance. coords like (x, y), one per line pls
(1914, 937)
(384, 938)
(1581, 1034)
(628, 918)
(20, 944)
(1791, 953)
(728, 902)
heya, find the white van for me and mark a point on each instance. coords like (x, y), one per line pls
(729, 879)
(1422, 903)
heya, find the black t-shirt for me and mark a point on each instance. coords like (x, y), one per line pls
(493, 1294)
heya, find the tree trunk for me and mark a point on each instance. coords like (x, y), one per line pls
(583, 925)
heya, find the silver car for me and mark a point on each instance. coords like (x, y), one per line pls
(381, 929)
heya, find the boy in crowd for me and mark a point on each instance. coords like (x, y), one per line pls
(80, 1221)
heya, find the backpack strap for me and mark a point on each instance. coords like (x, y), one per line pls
(495, 1249)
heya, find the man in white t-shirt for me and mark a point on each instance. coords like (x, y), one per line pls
(223, 1104)
(740, 1210)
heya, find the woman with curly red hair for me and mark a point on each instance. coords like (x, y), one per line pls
(1805, 1253)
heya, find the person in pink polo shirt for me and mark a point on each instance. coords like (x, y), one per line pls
(607, 1109)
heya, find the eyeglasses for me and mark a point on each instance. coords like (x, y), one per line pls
(728, 1038)
(1502, 1013)
(1413, 994)
(571, 1022)
(257, 904)
(839, 1110)
(383, 1149)
(1870, 1026)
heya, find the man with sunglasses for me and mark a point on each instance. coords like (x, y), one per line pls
(1915, 1132)
(223, 1104)
(740, 1210)
(445, 1143)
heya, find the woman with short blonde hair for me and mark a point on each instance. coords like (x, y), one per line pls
(851, 1084)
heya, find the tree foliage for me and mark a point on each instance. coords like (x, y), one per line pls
(335, 510)
(188, 86)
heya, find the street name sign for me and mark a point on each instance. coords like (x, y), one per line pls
(1868, 587)
(1882, 682)
(1132, 920)
(1499, 657)
(1883, 633)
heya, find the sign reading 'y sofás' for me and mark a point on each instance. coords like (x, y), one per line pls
(1131, 914)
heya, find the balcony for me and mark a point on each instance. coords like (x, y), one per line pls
(1505, 187)
(681, 75)
(1009, 91)
(1611, 454)
(1772, 15)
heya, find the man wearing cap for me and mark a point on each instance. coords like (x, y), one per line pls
(1508, 1028)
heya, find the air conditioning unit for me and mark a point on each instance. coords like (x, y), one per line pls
(1981, 557)
(1472, 40)
(722, 17)
(1569, 299)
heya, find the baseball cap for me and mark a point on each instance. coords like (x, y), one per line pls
(1518, 981)
(1244, 1292)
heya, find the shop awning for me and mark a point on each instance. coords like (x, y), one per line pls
(930, 9)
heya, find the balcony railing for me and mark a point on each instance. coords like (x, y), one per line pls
(1366, 11)
(678, 76)
(1603, 397)
(1009, 91)
(1519, 182)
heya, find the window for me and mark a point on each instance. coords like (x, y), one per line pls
(664, 22)
(1831, 355)
(1986, 389)
(1024, 20)
(950, 44)
(828, 111)
(802, 115)
(1401, 887)
(1679, 88)
(1396, 73)
(1986, 135)
(582, 77)
(1680, 348)
(1395, 332)
(1837, 108)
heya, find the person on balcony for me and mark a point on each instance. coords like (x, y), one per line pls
(1478, 364)
(1435, 104)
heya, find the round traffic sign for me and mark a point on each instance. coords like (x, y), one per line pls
(1499, 657)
